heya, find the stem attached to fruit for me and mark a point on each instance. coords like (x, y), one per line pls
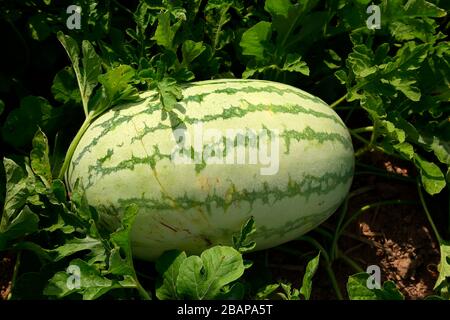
(73, 146)
(363, 129)
(338, 101)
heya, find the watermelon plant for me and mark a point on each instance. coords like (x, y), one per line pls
(314, 94)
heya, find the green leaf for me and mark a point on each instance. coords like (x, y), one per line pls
(361, 61)
(191, 50)
(59, 191)
(73, 51)
(341, 75)
(79, 202)
(373, 104)
(266, 291)
(358, 290)
(165, 33)
(182, 75)
(143, 17)
(65, 88)
(23, 122)
(217, 16)
(408, 58)
(289, 293)
(286, 18)
(119, 265)
(439, 144)
(312, 26)
(278, 8)
(17, 191)
(168, 266)
(411, 20)
(24, 223)
(255, 40)
(442, 282)
(75, 245)
(423, 8)
(405, 149)
(311, 269)
(116, 88)
(392, 131)
(40, 162)
(92, 278)
(203, 277)
(41, 253)
(432, 177)
(2, 106)
(429, 140)
(250, 71)
(241, 241)
(61, 224)
(117, 83)
(406, 86)
(422, 29)
(294, 63)
(91, 66)
(80, 278)
(169, 93)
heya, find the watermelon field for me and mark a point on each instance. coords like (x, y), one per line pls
(225, 150)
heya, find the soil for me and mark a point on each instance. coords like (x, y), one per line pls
(397, 238)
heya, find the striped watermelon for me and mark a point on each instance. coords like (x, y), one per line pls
(125, 157)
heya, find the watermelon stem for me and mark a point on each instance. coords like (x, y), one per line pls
(363, 129)
(427, 212)
(73, 146)
(143, 293)
(349, 261)
(337, 233)
(369, 145)
(338, 101)
(339, 254)
(333, 250)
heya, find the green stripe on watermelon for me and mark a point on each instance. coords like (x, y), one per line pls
(293, 188)
(232, 112)
(195, 97)
(308, 134)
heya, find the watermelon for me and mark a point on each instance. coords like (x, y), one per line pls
(289, 164)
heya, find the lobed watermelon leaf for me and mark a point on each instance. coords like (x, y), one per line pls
(203, 277)
(358, 290)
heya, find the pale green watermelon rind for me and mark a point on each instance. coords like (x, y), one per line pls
(133, 143)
